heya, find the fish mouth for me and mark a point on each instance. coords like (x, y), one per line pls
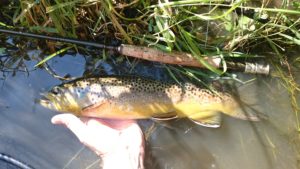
(43, 98)
(44, 101)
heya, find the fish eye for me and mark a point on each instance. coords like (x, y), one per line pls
(56, 90)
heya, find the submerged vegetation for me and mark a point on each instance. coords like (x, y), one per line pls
(228, 29)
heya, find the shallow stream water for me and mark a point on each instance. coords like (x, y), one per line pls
(27, 134)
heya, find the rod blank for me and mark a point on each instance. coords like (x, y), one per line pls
(152, 54)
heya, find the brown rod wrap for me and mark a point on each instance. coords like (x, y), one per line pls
(185, 59)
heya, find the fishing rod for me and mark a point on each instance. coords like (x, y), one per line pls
(152, 54)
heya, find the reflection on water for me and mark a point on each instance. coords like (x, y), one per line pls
(26, 132)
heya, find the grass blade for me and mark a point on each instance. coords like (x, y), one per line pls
(53, 55)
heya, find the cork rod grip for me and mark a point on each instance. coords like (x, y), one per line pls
(174, 57)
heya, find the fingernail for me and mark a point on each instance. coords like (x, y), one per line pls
(54, 120)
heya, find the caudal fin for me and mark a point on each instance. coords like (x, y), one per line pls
(242, 111)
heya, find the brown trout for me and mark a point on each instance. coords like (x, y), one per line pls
(138, 98)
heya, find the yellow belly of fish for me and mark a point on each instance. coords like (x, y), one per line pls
(144, 111)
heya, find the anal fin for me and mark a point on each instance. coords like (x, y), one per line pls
(210, 119)
(165, 116)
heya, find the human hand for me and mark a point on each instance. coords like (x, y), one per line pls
(120, 143)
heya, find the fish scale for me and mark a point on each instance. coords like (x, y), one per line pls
(140, 98)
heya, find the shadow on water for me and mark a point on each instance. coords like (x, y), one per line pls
(27, 134)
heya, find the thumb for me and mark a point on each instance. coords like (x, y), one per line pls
(72, 122)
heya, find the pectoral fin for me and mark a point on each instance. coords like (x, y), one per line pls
(210, 119)
(95, 106)
(95, 109)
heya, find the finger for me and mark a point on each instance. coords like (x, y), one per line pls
(73, 123)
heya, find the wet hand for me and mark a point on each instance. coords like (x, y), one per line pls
(118, 142)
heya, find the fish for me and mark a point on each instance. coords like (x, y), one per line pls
(132, 97)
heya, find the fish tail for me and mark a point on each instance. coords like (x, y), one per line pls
(240, 111)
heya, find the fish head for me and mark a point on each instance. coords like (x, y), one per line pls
(60, 98)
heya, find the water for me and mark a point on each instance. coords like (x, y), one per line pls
(27, 134)
(25, 128)
(268, 144)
